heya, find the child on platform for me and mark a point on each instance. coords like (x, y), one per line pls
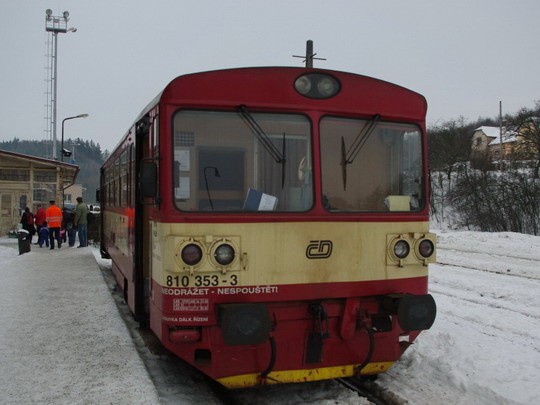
(43, 235)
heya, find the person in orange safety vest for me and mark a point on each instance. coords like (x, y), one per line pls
(54, 221)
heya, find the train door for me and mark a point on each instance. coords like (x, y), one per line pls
(142, 228)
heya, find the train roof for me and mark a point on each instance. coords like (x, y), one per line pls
(375, 96)
(201, 86)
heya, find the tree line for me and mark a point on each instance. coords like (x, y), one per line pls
(475, 192)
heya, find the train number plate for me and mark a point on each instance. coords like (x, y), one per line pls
(207, 280)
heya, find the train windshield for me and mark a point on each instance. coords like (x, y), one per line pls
(242, 161)
(370, 166)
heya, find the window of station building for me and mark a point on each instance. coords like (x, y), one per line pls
(5, 207)
(45, 176)
(15, 174)
(43, 192)
(23, 201)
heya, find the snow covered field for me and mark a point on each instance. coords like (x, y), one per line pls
(483, 348)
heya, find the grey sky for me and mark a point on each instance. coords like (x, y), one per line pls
(462, 55)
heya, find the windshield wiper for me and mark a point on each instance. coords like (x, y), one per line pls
(264, 139)
(348, 156)
(260, 134)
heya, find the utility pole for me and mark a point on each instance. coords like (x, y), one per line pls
(55, 25)
(73, 145)
(310, 56)
(501, 166)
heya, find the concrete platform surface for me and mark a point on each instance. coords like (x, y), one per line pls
(62, 340)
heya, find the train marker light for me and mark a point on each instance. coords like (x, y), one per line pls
(191, 254)
(401, 249)
(426, 248)
(224, 254)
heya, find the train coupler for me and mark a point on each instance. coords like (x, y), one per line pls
(321, 331)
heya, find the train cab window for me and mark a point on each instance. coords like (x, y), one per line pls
(219, 158)
(370, 166)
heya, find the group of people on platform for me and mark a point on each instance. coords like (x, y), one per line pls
(54, 224)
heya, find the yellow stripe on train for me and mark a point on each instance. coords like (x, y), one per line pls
(297, 376)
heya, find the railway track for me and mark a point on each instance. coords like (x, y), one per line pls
(372, 391)
(499, 264)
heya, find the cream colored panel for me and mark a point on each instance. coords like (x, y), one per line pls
(292, 253)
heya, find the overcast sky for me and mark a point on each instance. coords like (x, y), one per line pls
(462, 55)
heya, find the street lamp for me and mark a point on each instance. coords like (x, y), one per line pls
(56, 25)
(66, 152)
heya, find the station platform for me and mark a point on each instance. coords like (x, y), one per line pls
(62, 339)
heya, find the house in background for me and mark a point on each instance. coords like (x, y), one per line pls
(26, 181)
(72, 192)
(486, 142)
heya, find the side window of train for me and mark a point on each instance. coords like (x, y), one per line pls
(155, 134)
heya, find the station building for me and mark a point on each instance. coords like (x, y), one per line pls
(26, 181)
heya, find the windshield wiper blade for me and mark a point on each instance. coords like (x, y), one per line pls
(284, 154)
(260, 134)
(361, 139)
(348, 157)
(343, 164)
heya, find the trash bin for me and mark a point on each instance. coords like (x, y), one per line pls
(25, 240)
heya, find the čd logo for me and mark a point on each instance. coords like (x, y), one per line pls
(319, 249)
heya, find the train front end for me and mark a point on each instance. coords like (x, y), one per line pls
(291, 240)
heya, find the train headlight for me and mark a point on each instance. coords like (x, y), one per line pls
(327, 87)
(303, 85)
(317, 85)
(426, 248)
(191, 254)
(401, 249)
(224, 254)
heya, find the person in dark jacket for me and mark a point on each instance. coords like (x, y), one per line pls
(81, 222)
(27, 221)
(67, 224)
(43, 236)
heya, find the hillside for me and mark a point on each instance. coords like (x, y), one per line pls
(88, 156)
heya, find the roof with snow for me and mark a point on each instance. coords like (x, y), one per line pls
(495, 134)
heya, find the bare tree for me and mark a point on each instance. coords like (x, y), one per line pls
(496, 202)
(449, 145)
(526, 124)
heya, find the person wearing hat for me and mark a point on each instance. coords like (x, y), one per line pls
(81, 222)
(54, 221)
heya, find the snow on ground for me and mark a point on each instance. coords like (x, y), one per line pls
(62, 340)
(483, 348)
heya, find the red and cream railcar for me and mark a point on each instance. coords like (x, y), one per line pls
(270, 225)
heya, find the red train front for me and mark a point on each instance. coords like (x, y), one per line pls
(271, 224)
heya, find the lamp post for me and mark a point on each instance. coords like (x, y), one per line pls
(56, 25)
(64, 120)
